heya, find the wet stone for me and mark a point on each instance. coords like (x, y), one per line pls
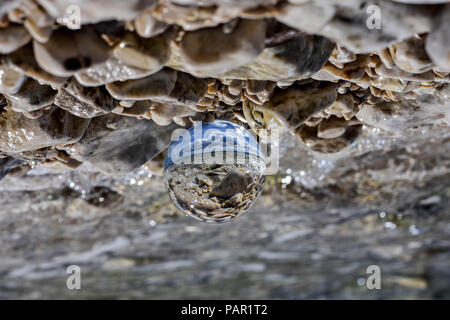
(85, 102)
(298, 58)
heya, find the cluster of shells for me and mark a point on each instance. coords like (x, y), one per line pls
(110, 91)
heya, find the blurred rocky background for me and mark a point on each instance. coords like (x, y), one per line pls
(86, 113)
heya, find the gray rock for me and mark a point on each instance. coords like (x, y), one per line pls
(55, 127)
(158, 85)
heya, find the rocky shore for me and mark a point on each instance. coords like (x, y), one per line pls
(358, 91)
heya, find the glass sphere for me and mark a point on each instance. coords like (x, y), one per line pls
(214, 172)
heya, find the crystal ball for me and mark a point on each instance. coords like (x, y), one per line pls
(215, 171)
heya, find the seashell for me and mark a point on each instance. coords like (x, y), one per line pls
(68, 51)
(212, 51)
(440, 73)
(84, 102)
(213, 87)
(16, 14)
(12, 38)
(313, 68)
(55, 127)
